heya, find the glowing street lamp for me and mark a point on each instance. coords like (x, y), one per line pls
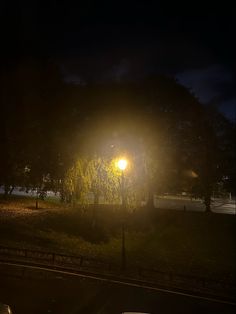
(122, 165)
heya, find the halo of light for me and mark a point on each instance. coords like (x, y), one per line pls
(122, 164)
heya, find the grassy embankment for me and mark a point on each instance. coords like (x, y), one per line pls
(184, 242)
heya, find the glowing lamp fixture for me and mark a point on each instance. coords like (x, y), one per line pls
(122, 164)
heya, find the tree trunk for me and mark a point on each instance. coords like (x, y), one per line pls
(95, 208)
(6, 190)
(150, 200)
(62, 191)
(207, 202)
(11, 190)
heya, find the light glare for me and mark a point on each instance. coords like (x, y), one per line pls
(122, 164)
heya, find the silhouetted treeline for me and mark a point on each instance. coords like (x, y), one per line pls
(47, 125)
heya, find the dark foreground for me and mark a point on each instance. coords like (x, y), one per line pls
(41, 292)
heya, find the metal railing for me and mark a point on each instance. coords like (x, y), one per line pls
(77, 262)
(223, 288)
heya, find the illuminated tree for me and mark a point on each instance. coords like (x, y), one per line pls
(75, 185)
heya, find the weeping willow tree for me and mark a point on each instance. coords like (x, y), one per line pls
(76, 183)
(90, 176)
(97, 179)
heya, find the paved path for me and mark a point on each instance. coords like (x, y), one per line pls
(41, 292)
(222, 206)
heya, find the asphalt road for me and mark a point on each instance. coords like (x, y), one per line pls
(40, 292)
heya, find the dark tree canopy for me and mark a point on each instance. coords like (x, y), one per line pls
(47, 125)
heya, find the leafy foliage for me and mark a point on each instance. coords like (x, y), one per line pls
(68, 137)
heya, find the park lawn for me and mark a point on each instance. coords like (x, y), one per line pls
(191, 243)
(183, 242)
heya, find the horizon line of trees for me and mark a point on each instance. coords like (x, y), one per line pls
(65, 138)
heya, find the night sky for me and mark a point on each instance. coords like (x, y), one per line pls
(124, 40)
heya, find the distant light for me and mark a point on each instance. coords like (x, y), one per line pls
(190, 174)
(194, 174)
(122, 164)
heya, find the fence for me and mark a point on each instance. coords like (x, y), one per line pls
(222, 288)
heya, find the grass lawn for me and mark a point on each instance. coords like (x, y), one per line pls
(184, 242)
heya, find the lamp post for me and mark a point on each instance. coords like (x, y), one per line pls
(122, 164)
